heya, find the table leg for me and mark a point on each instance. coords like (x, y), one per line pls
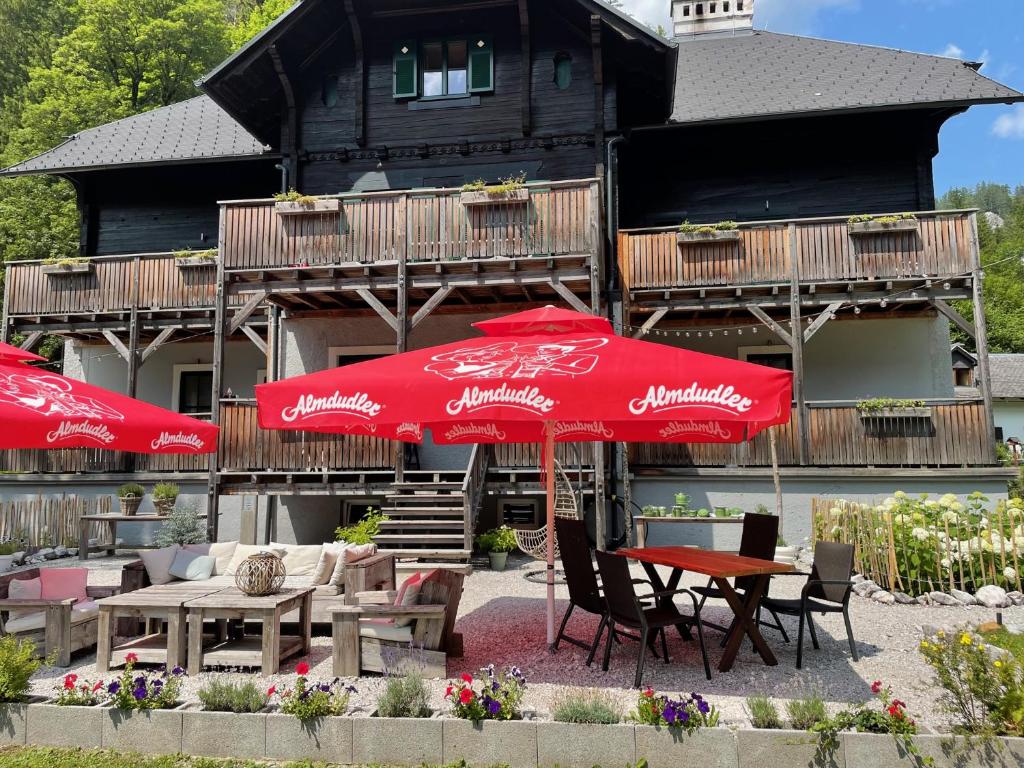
(177, 637)
(112, 529)
(83, 539)
(306, 622)
(104, 638)
(195, 641)
(641, 533)
(345, 638)
(271, 647)
(745, 624)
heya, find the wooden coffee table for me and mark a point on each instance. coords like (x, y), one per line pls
(156, 605)
(265, 652)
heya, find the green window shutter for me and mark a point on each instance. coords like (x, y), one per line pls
(481, 65)
(406, 81)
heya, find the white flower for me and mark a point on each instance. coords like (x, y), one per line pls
(956, 506)
(900, 495)
(902, 519)
(932, 504)
(945, 563)
(920, 534)
(948, 500)
(949, 516)
(1015, 504)
(1009, 574)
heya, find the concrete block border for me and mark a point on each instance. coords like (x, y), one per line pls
(439, 741)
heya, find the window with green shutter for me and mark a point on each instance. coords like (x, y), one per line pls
(481, 65)
(406, 81)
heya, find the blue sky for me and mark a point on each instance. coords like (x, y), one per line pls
(986, 143)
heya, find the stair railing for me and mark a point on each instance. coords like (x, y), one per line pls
(473, 487)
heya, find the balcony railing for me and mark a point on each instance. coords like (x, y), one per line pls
(820, 250)
(953, 435)
(109, 285)
(97, 462)
(246, 447)
(560, 218)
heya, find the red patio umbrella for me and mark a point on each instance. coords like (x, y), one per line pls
(547, 375)
(39, 409)
(9, 353)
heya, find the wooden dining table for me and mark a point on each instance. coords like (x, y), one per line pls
(720, 567)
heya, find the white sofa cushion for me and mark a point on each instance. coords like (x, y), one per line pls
(191, 566)
(299, 559)
(23, 589)
(329, 554)
(242, 551)
(384, 629)
(158, 564)
(37, 620)
(221, 551)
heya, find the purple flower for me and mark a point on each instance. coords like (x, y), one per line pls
(684, 717)
(140, 681)
(670, 714)
(703, 706)
(158, 684)
(495, 687)
(351, 689)
(325, 687)
(113, 688)
(139, 694)
(494, 706)
(177, 671)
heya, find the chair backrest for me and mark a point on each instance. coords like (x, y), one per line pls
(578, 565)
(440, 587)
(760, 535)
(5, 581)
(832, 562)
(617, 583)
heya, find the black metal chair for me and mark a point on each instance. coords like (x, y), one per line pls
(581, 578)
(758, 540)
(827, 590)
(625, 609)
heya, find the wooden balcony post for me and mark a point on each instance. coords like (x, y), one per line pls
(220, 319)
(797, 333)
(981, 333)
(402, 340)
(133, 332)
(5, 330)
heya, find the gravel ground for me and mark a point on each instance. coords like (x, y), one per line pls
(502, 622)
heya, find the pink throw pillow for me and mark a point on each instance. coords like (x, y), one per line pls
(64, 583)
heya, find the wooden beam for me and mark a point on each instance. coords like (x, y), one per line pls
(379, 308)
(981, 340)
(117, 344)
(359, 76)
(571, 298)
(797, 346)
(255, 338)
(823, 318)
(652, 321)
(777, 329)
(246, 311)
(31, 340)
(596, 29)
(431, 304)
(290, 124)
(526, 74)
(155, 344)
(954, 317)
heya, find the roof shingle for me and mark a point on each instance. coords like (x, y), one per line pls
(196, 129)
(1007, 374)
(765, 74)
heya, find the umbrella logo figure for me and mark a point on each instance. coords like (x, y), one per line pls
(52, 396)
(513, 360)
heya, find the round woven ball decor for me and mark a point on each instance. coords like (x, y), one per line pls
(260, 574)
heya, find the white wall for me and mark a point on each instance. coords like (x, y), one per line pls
(1009, 414)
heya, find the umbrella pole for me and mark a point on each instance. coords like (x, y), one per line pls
(549, 474)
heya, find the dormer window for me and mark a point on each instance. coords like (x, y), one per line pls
(443, 68)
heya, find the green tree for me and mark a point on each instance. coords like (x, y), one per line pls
(253, 18)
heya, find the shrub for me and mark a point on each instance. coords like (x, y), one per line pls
(586, 706)
(183, 526)
(806, 713)
(145, 690)
(308, 701)
(876, 404)
(363, 531)
(404, 697)
(891, 718)
(131, 490)
(72, 693)
(8, 547)
(18, 662)
(983, 695)
(501, 539)
(224, 696)
(689, 714)
(500, 696)
(763, 713)
(708, 229)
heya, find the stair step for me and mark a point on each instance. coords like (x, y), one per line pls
(427, 554)
(426, 538)
(402, 497)
(443, 486)
(458, 524)
(413, 510)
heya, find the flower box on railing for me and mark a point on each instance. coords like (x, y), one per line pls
(506, 197)
(715, 236)
(69, 268)
(290, 208)
(867, 228)
(897, 413)
(195, 262)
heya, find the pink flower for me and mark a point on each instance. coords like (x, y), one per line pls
(448, 692)
(876, 687)
(131, 658)
(97, 686)
(69, 681)
(302, 669)
(272, 690)
(468, 679)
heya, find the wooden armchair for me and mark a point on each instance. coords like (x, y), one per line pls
(366, 637)
(58, 627)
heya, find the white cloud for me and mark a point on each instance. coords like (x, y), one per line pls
(953, 51)
(1011, 124)
(796, 16)
(651, 12)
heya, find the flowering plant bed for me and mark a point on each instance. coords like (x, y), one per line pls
(504, 197)
(499, 696)
(75, 693)
(872, 225)
(308, 700)
(688, 714)
(145, 690)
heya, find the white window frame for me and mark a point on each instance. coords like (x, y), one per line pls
(176, 382)
(333, 353)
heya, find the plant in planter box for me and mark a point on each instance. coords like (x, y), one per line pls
(18, 662)
(510, 189)
(883, 406)
(498, 697)
(240, 698)
(130, 495)
(497, 544)
(586, 706)
(72, 692)
(363, 531)
(804, 714)
(689, 714)
(763, 713)
(404, 697)
(308, 700)
(165, 495)
(137, 691)
(183, 526)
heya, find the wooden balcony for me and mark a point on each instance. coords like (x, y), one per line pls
(772, 255)
(490, 252)
(96, 462)
(953, 435)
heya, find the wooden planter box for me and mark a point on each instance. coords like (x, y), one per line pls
(722, 236)
(195, 263)
(897, 413)
(82, 268)
(300, 209)
(513, 197)
(865, 228)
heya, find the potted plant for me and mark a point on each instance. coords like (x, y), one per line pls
(649, 510)
(497, 544)
(722, 232)
(785, 553)
(893, 408)
(66, 265)
(511, 190)
(292, 203)
(165, 496)
(722, 512)
(130, 495)
(702, 512)
(189, 259)
(873, 225)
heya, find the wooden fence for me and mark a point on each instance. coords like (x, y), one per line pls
(48, 521)
(429, 225)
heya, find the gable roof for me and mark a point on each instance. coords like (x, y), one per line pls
(190, 131)
(1007, 375)
(766, 74)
